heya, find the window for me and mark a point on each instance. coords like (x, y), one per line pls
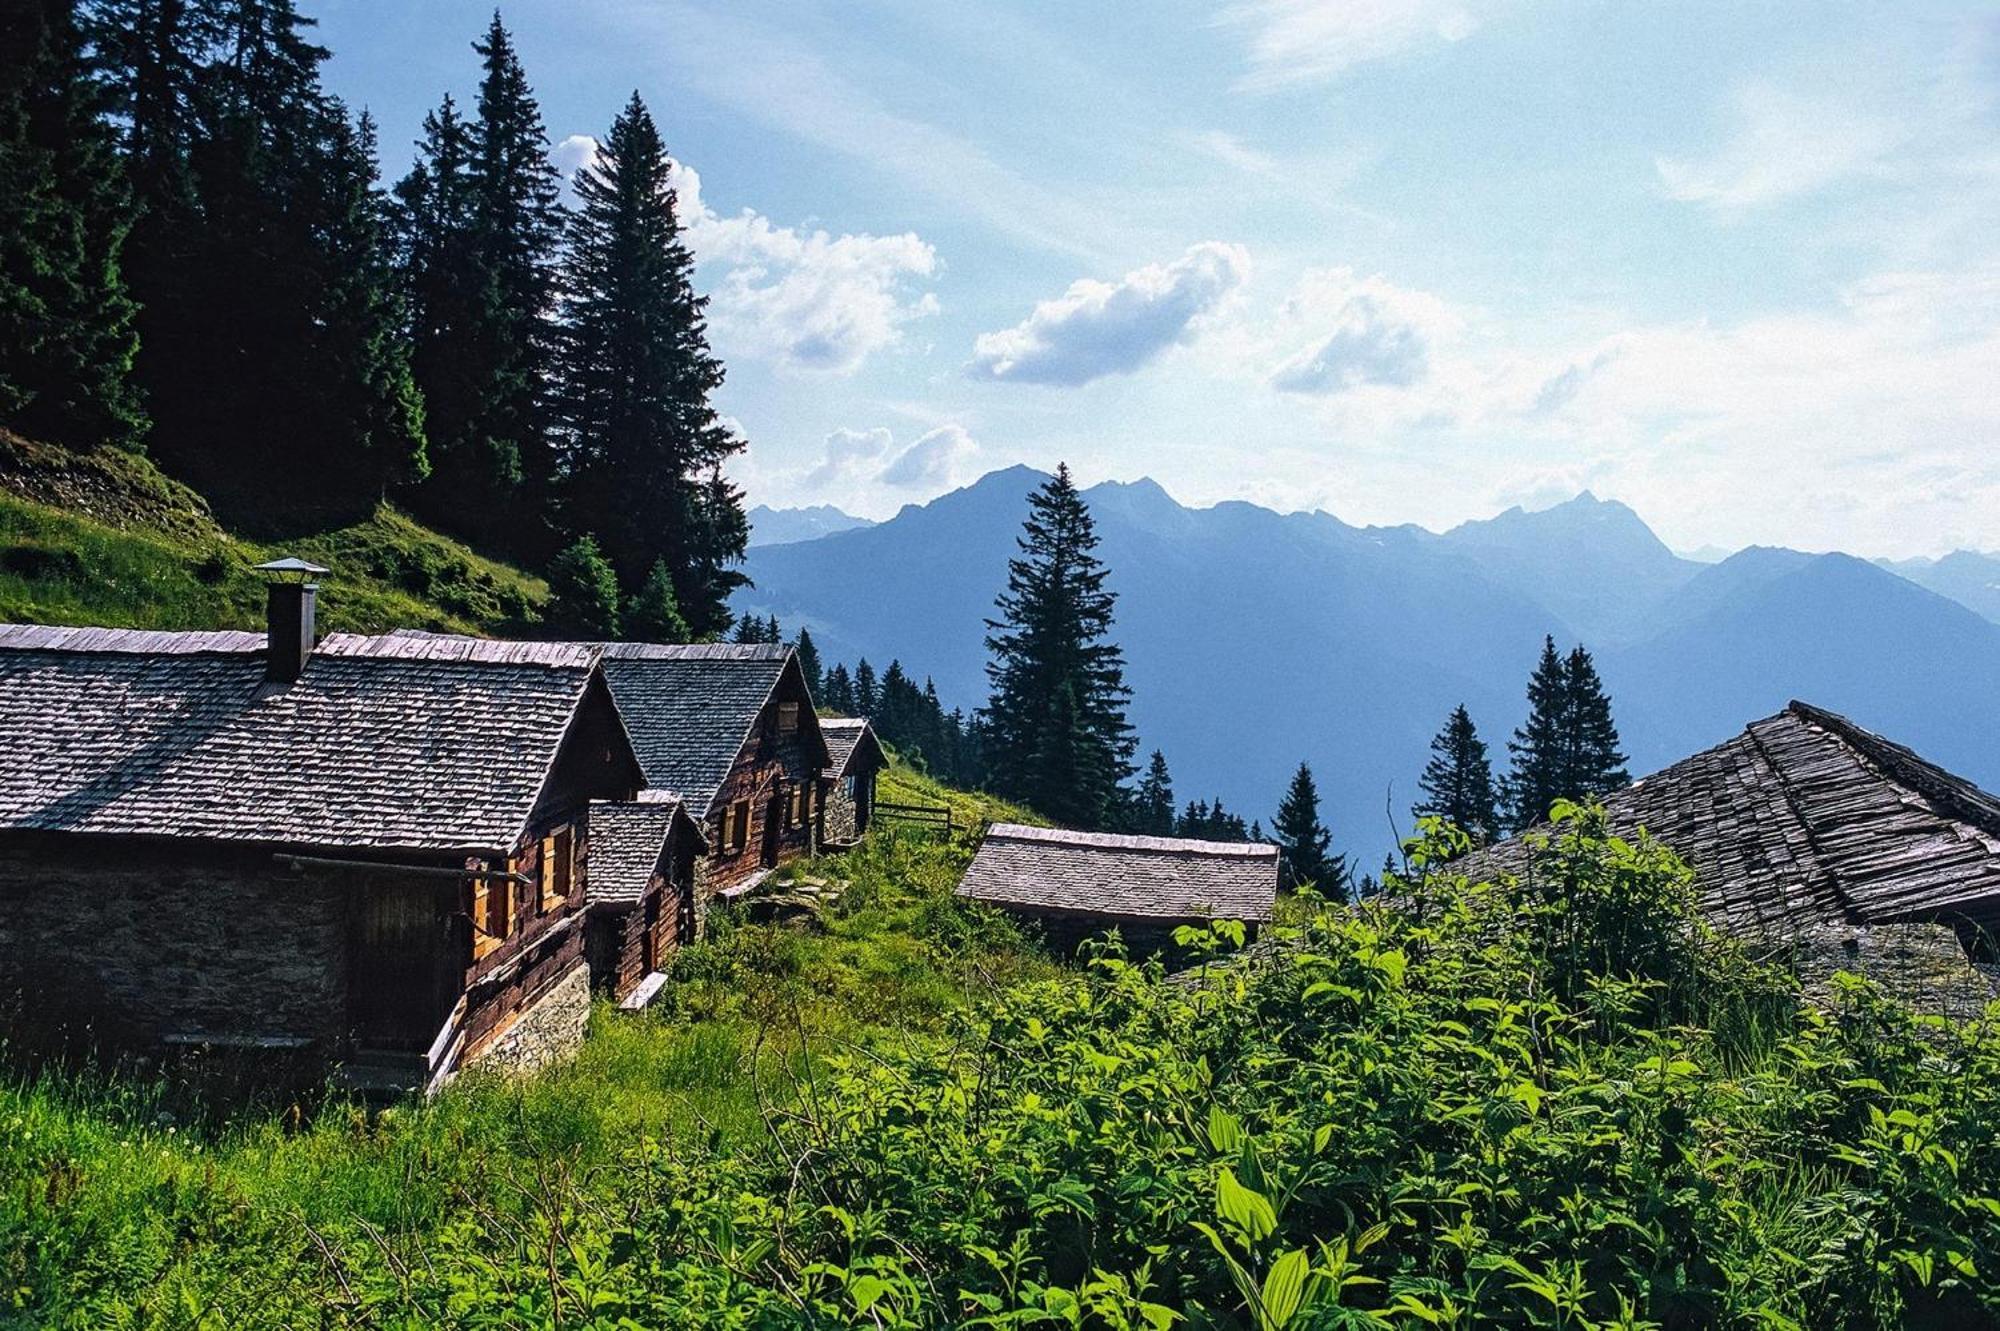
(795, 806)
(492, 912)
(848, 787)
(788, 718)
(558, 867)
(736, 826)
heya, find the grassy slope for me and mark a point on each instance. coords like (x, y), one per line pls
(117, 1199)
(106, 538)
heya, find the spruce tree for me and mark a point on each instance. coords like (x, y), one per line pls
(1457, 784)
(839, 697)
(808, 653)
(1304, 839)
(1568, 748)
(1153, 802)
(652, 614)
(1539, 774)
(642, 441)
(517, 229)
(1057, 737)
(865, 695)
(583, 593)
(1597, 765)
(67, 321)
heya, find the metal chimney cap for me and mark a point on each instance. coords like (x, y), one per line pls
(291, 564)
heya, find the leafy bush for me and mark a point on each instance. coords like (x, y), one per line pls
(1454, 1110)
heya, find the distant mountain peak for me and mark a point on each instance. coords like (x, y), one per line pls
(783, 526)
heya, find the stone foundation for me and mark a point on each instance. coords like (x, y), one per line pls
(546, 1031)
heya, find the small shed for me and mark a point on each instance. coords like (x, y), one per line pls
(1076, 884)
(641, 891)
(847, 790)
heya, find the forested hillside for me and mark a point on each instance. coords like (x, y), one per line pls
(200, 265)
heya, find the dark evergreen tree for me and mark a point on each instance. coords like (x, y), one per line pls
(1568, 748)
(1539, 775)
(1457, 784)
(642, 440)
(517, 231)
(839, 697)
(1057, 739)
(1153, 802)
(1596, 762)
(652, 614)
(67, 333)
(808, 652)
(1304, 839)
(865, 696)
(583, 593)
(1256, 829)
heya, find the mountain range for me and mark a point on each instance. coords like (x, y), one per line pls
(782, 526)
(1255, 639)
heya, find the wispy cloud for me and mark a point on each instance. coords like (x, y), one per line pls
(1782, 145)
(1100, 328)
(1361, 331)
(1310, 41)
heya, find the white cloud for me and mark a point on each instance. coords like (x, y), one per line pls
(1345, 333)
(856, 466)
(1307, 41)
(1782, 145)
(1099, 328)
(807, 300)
(936, 461)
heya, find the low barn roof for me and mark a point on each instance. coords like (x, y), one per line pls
(691, 708)
(1806, 818)
(434, 744)
(1132, 877)
(626, 838)
(845, 738)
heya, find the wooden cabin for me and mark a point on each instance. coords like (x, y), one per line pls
(1815, 838)
(730, 728)
(641, 897)
(372, 849)
(847, 788)
(1077, 884)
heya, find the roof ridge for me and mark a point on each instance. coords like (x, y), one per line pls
(1127, 841)
(1948, 793)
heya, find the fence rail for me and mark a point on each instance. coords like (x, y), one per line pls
(921, 815)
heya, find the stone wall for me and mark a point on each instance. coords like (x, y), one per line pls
(133, 942)
(840, 820)
(547, 1030)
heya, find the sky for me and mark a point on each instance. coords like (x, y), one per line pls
(1402, 260)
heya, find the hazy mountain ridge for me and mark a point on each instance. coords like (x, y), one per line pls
(1256, 638)
(782, 526)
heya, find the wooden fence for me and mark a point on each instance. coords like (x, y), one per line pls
(934, 816)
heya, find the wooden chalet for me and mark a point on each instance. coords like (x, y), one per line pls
(847, 788)
(1809, 834)
(643, 854)
(374, 849)
(730, 728)
(1075, 884)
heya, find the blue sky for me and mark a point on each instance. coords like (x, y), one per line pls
(1404, 260)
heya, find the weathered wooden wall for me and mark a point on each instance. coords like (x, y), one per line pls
(769, 764)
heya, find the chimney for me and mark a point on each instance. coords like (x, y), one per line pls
(288, 617)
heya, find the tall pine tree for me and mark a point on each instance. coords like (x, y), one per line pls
(1305, 840)
(1153, 801)
(1568, 747)
(1457, 784)
(1057, 738)
(642, 441)
(808, 652)
(67, 334)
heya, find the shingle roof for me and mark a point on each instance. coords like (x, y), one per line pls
(691, 708)
(1134, 877)
(846, 736)
(1805, 819)
(626, 838)
(433, 744)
